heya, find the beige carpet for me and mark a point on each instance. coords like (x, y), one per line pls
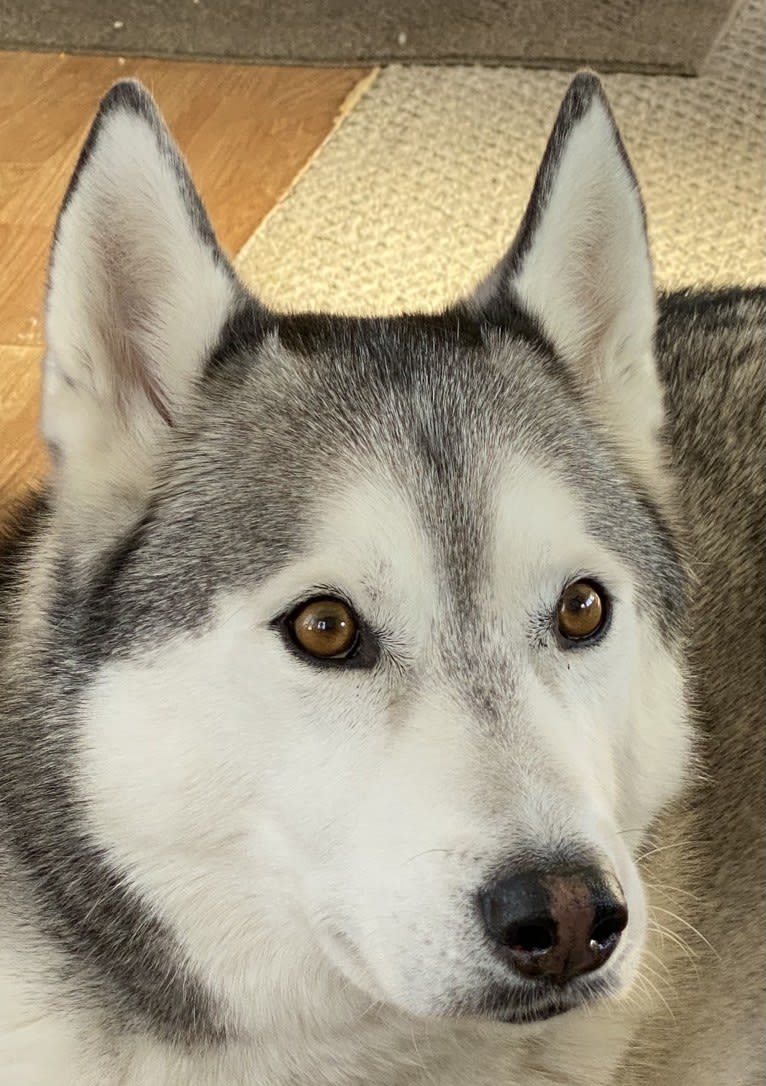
(421, 187)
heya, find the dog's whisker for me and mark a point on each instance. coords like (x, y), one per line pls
(659, 848)
(658, 993)
(682, 944)
(666, 889)
(690, 926)
(426, 852)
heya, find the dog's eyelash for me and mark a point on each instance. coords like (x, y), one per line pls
(315, 592)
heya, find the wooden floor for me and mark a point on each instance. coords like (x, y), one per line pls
(246, 131)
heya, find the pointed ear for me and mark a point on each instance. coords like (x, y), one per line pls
(138, 293)
(580, 266)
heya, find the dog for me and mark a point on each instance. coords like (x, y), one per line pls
(382, 700)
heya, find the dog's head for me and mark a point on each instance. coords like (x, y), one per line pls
(379, 619)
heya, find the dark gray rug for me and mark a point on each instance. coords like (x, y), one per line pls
(635, 35)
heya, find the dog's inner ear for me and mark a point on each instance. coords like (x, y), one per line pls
(138, 293)
(580, 266)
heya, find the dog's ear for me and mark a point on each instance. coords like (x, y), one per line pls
(580, 266)
(138, 292)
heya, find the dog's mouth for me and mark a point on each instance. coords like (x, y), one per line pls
(499, 1003)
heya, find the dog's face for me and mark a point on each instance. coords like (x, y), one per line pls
(380, 617)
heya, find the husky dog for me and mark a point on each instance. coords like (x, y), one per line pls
(382, 700)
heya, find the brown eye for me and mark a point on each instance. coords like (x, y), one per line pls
(325, 628)
(582, 611)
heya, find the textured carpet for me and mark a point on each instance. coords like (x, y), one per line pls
(656, 35)
(421, 188)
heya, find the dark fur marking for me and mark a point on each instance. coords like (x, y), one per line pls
(240, 338)
(98, 600)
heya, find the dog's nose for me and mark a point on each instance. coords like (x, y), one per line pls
(555, 925)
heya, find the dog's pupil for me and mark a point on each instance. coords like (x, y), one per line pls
(580, 611)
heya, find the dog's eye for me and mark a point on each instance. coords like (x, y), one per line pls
(582, 611)
(325, 628)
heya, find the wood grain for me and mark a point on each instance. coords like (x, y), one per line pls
(246, 131)
(23, 458)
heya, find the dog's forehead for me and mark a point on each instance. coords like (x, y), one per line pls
(441, 408)
(439, 395)
(432, 404)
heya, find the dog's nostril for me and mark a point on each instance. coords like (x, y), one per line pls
(610, 927)
(531, 938)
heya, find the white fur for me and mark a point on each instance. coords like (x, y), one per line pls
(587, 273)
(136, 301)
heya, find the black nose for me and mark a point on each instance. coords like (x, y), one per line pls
(552, 924)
